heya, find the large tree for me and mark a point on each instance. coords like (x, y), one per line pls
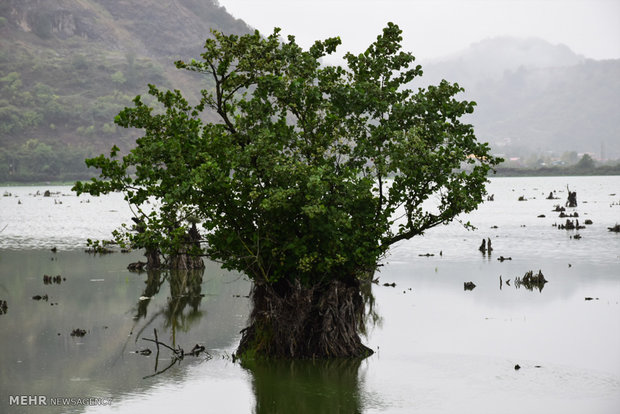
(308, 177)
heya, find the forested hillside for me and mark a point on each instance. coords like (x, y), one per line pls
(68, 66)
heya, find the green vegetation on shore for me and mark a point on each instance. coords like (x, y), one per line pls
(556, 171)
(586, 166)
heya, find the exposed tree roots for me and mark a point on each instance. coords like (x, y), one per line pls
(294, 321)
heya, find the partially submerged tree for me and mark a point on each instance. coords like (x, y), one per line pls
(310, 175)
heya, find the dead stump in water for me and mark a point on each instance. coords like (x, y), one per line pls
(572, 198)
(485, 246)
(469, 286)
(531, 281)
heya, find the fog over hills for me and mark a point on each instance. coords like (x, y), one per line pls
(535, 97)
(68, 66)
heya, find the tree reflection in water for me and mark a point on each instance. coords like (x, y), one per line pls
(306, 386)
(301, 386)
(313, 386)
(182, 308)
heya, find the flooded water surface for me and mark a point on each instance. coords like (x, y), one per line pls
(439, 348)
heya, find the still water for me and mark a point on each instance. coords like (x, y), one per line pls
(439, 348)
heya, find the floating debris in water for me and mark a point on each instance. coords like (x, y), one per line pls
(197, 349)
(136, 266)
(517, 367)
(78, 332)
(469, 286)
(48, 280)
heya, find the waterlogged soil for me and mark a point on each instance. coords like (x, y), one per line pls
(438, 347)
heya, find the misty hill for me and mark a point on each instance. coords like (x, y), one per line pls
(534, 96)
(68, 66)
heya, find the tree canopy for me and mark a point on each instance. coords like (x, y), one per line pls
(311, 171)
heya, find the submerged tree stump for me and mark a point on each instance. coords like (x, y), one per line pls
(572, 198)
(531, 281)
(485, 246)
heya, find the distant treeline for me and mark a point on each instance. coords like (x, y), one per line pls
(35, 161)
(557, 171)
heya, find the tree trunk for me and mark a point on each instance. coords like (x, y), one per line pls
(293, 321)
(185, 261)
(153, 261)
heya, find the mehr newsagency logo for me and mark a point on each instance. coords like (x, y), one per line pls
(44, 400)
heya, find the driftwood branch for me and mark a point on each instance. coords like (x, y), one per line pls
(177, 354)
(160, 343)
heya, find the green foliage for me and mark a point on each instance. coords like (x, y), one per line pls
(312, 172)
(38, 161)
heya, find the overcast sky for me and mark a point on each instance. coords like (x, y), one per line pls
(435, 28)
